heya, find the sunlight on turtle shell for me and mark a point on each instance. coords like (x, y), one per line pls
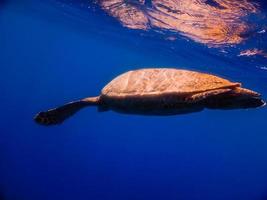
(211, 22)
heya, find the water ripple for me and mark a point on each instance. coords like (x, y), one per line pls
(211, 22)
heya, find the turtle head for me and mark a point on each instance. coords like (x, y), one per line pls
(48, 118)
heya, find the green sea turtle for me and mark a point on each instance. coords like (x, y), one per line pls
(160, 91)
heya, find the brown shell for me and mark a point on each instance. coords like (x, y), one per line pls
(162, 81)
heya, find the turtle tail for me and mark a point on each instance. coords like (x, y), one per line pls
(60, 114)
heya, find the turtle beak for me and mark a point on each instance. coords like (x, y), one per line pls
(41, 119)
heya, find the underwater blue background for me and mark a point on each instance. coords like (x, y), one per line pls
(54, 52)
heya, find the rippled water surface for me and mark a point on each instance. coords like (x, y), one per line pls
(53, 52)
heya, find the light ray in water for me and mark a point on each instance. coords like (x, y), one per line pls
(210, 22)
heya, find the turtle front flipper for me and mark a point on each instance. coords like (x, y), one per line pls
(204, 95)
(60, 114)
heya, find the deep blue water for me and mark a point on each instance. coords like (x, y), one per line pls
(55, 52)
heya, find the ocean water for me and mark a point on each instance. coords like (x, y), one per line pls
(53, 52)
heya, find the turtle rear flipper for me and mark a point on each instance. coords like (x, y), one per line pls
(235, 99)
(60, 114)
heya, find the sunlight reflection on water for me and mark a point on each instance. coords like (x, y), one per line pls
(213, 22)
